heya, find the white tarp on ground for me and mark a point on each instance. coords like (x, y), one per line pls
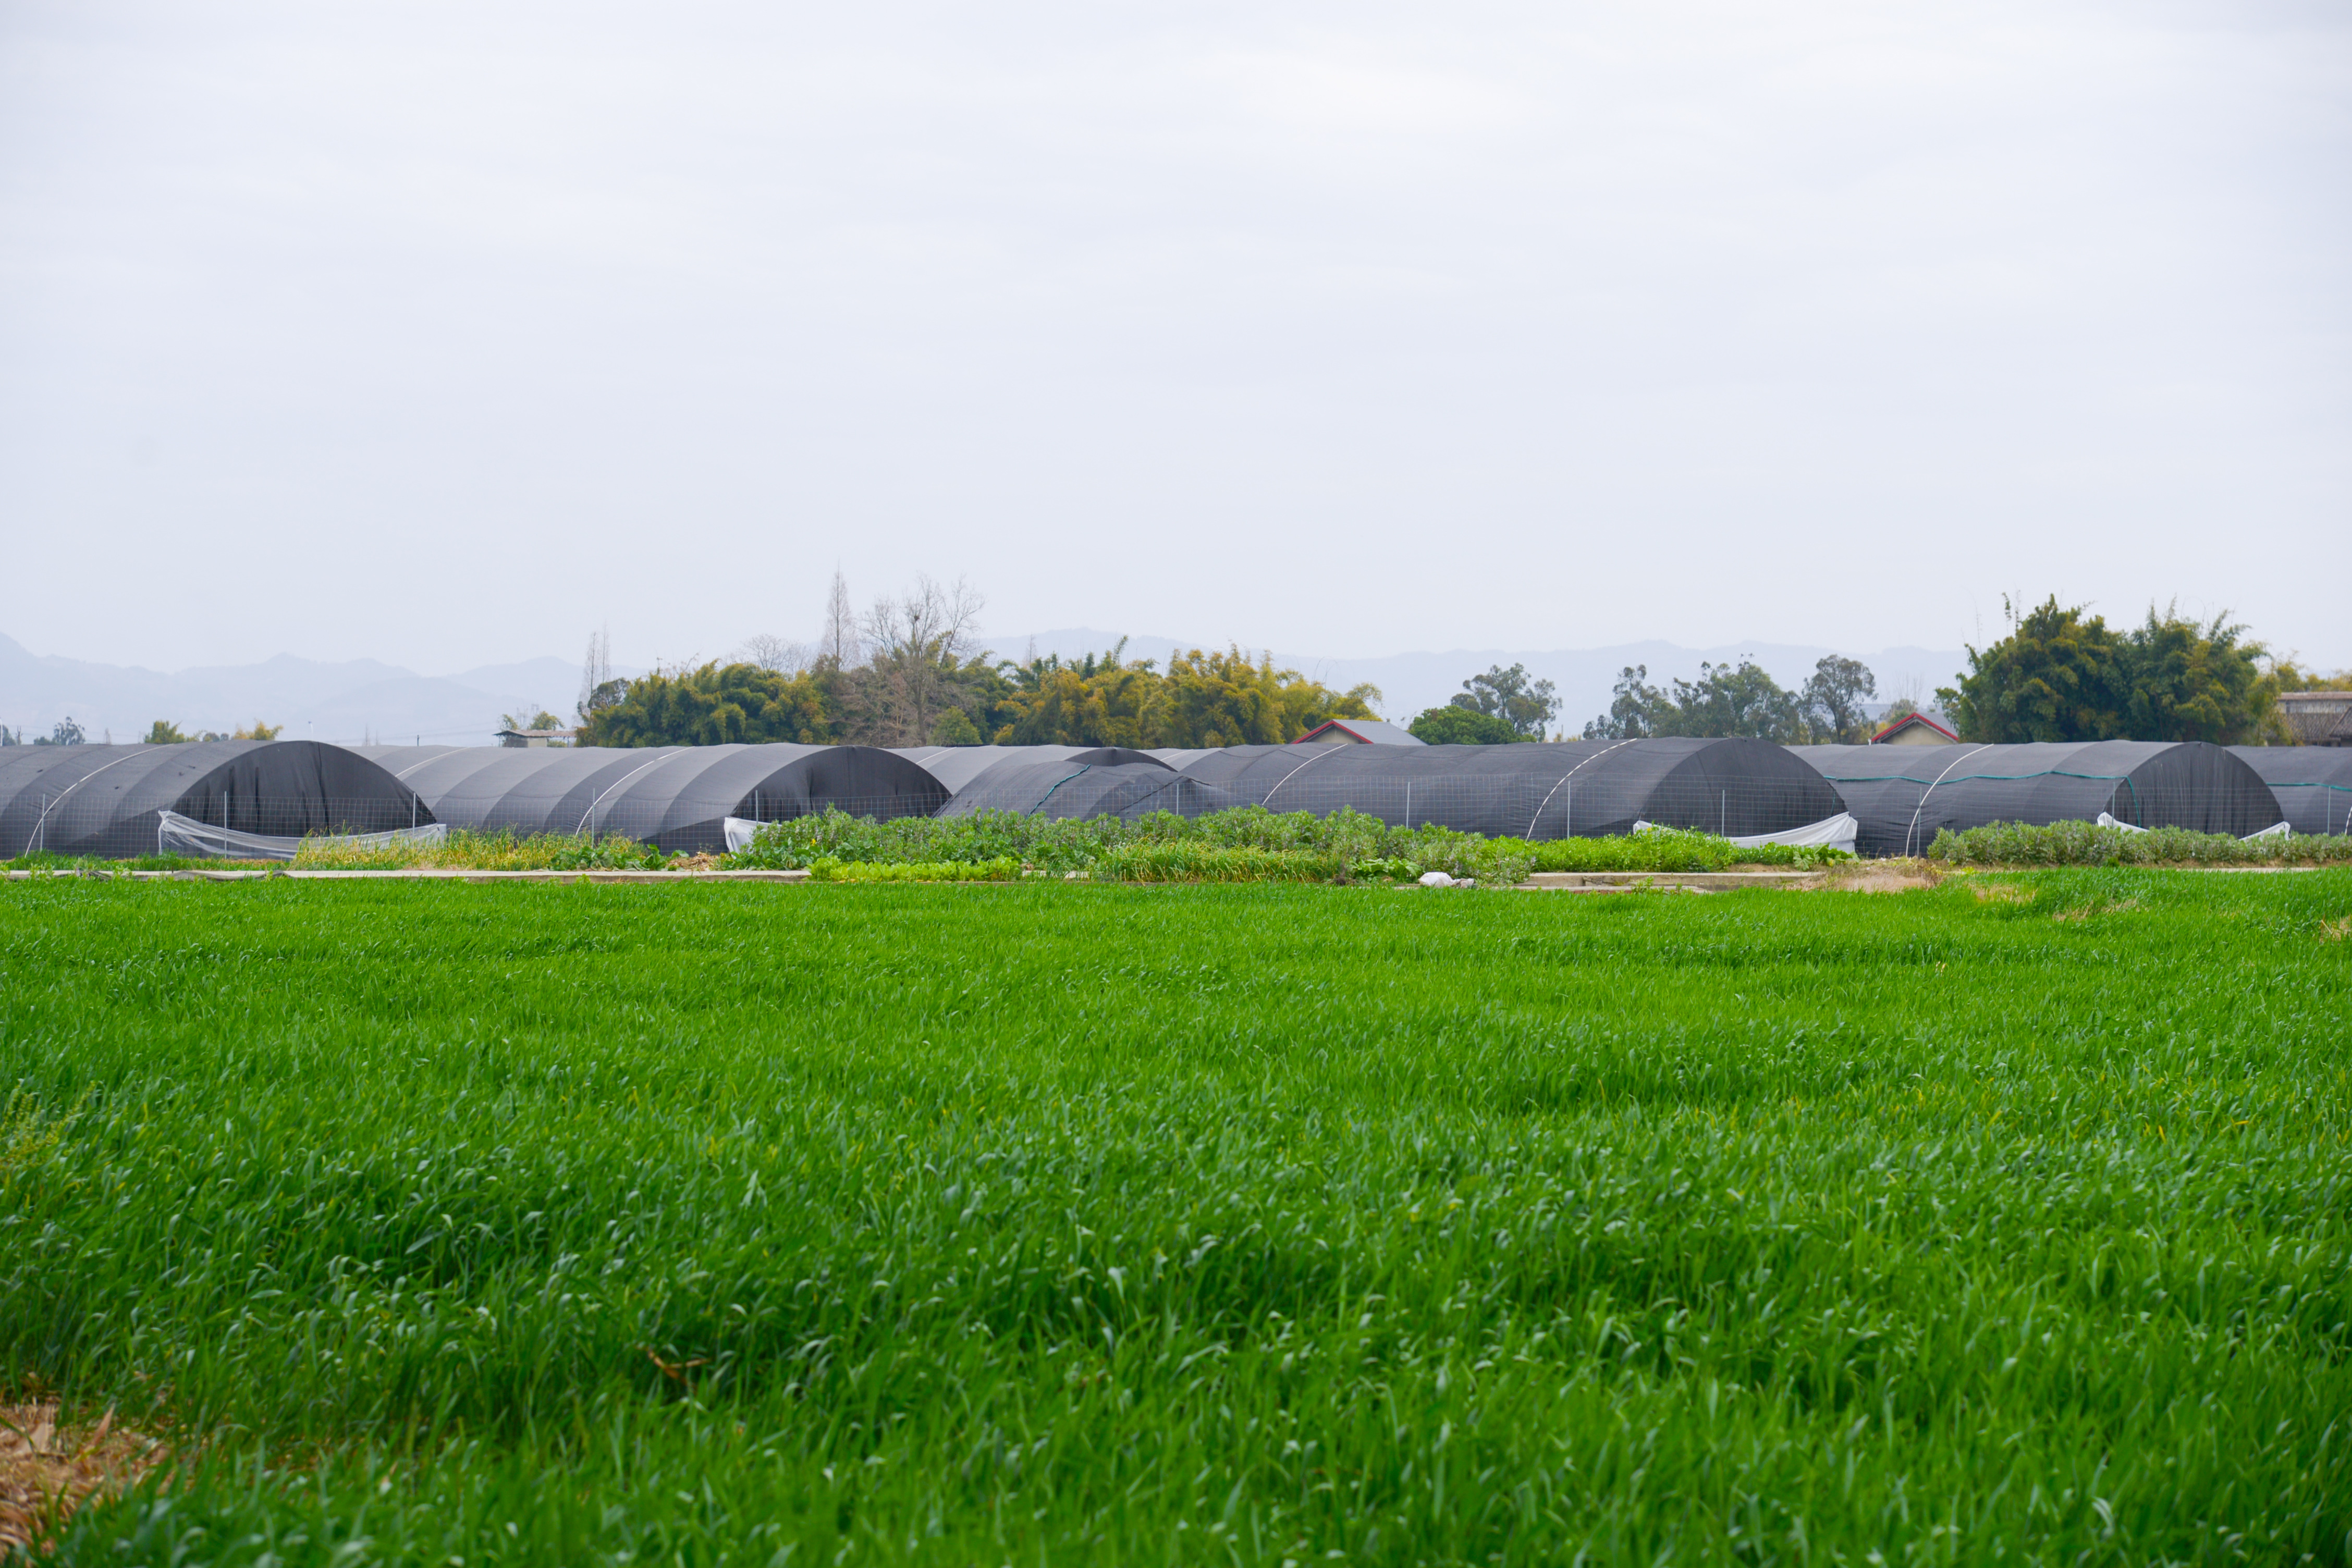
(1837, 832)
(177, 834)
(741, 831)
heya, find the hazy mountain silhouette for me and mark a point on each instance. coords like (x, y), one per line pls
(349, 700)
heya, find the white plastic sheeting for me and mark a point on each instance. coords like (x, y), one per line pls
(741, 831)
(1837, 832)
(177, 834)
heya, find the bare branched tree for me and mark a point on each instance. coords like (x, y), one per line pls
(914, 644)
(1910, 694)
(597, 672)
(840, 645)
(772, 653)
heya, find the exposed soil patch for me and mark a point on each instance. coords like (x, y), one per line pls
(46, 1471)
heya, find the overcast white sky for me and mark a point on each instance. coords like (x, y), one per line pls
(439, 333)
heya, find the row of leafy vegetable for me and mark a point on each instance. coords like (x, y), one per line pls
(1250, 844)
(1247, 844)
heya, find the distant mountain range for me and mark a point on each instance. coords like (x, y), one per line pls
(353, 702)
(363, 699)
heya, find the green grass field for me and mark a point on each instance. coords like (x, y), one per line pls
(439, 1224)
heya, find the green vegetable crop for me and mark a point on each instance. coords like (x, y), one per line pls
(2087, 843)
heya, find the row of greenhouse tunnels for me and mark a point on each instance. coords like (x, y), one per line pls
(245, 797)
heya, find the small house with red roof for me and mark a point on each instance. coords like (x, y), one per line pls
(1915, 730)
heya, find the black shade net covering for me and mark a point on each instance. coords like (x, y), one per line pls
(105, 800)
(956, 766)
(1904, 795)
(2312, 783)
(1107, 781)
(673, 797)
(1182, 757)
(1584, 789)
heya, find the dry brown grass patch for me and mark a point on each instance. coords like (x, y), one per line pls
(2002, 893)
(2336, 930)
(46, 1471)
(1891, 876)
(2085, 912)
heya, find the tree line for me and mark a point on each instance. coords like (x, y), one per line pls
(2063, 674)
(910, 672)
(1504, 706)
(163, 733)
(1491, 709)
(1743, 698)
(65, 733)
